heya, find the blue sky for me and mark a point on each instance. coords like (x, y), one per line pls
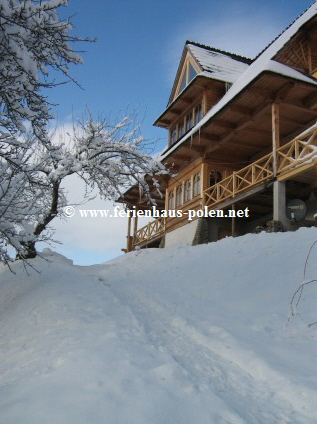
(131, 67)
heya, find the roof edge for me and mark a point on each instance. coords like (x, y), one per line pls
(235, 56)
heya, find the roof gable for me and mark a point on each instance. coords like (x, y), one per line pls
(221, 65)
(209, 62)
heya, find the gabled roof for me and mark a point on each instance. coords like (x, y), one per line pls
(212, 63)
(263, 63)
(221, 65)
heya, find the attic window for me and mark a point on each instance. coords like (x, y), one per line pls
(189, 73)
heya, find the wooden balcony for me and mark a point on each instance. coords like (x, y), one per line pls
(291, 157)
(149, 232)
(302, 150)
(240, 181)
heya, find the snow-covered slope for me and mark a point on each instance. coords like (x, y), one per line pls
(165, 336)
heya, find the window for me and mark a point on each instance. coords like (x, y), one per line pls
(191, 72)
(185, 124)
(187, 190)
(183, 83)
(189, 121)
(180, 129)
(179, 195)
(171, 200)
(188, 75)
(196, 184)
(214, 178)
(197, 113)
(173, 136)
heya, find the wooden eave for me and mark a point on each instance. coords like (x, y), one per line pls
(241, 130)
(192, 92)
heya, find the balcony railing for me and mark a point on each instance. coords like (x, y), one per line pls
(297, 152)
(151, 230)
(240, 181)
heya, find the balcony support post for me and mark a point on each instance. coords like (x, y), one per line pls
(129, 237)
(135, 228)
(279, 204)
(275, 134)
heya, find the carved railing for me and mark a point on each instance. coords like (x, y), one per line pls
(240, 181)
(149, 231)
(298, 151)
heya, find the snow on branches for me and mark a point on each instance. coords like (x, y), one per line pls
(32, 40)
(106, 157)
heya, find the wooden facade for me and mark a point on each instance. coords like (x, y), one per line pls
(242, 134)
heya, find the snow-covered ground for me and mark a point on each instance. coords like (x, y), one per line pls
(163, 336)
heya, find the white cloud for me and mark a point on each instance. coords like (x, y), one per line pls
(238, 29)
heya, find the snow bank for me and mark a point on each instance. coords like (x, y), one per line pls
(175, 335)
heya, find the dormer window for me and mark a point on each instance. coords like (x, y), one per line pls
(189, 73)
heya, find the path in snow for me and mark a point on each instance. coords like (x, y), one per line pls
(220, 370)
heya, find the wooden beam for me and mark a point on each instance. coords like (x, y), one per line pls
(223, 124)
(283, 91)
(197, 149)
(244, 123)
(301, 107)
(241, 109)
(264, 133)
(311, 102)
(275, 134)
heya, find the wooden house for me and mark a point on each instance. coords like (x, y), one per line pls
(242, 143)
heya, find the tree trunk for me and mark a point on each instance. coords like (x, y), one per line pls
(28, 248)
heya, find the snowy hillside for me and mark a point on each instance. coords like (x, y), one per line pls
(183, 335)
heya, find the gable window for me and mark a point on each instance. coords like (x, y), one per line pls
(196, 184)
(189, 74)
(183, 83)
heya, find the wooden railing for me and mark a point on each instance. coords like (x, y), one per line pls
(149, 231)
(295, 153)
(240, 181)
(302, 149)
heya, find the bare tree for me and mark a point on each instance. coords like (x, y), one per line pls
(33, 41)
(109, 158)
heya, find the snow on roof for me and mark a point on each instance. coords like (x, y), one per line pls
(243, 81)
(263, 63)
(222, 66)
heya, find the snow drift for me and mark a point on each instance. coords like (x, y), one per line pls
(181, 335)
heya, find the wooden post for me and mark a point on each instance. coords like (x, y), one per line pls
(275, 134)
(129, 234)
(135, 227)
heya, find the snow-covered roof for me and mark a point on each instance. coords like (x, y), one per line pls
(219, 65)
(263, 63)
